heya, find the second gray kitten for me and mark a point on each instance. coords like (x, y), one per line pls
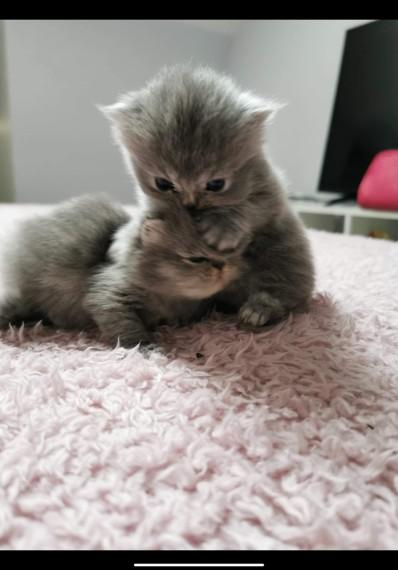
(89, 263)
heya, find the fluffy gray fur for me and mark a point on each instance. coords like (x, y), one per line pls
(191, 126)
(89, 263)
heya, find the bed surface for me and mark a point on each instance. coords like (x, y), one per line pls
(224, 440)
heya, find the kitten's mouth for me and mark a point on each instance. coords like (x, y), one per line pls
(192, 210)
(222, 277)
(195, 214)
(228, 274)
(204, 290)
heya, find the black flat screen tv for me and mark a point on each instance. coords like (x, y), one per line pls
(365, 114)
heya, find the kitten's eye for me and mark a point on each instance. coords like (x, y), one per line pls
(197, 259)
(215, 185)
(164, 185)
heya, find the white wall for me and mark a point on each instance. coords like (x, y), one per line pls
(6, 178)
(58, 71)
(297, 62)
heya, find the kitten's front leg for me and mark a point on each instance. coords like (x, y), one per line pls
(115, 311)
(261, 308)
(129, 330)
(222, 228)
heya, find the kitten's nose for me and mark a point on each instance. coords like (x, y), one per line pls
(191, 208)
(218, 264)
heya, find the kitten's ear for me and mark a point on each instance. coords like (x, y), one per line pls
(111, 112)
(265, 113)
(260, 116)
(260, 111)
(114, 113)
(125, 107)
(153, 231)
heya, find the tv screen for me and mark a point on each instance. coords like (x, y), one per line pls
(365, 114)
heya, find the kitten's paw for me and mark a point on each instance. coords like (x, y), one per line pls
(254, 316)
(259, 309)
(221, 231)
(130, 340)
(222, 239)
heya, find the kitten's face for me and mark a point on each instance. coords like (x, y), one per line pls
(175, 263)
(188, 136)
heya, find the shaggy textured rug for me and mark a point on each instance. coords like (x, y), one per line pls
(284, 439)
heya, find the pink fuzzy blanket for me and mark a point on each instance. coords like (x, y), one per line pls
(285, 439)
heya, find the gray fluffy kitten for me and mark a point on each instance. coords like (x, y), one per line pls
(191, 137)
(89, 263)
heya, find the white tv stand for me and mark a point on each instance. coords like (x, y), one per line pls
(347, 218)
